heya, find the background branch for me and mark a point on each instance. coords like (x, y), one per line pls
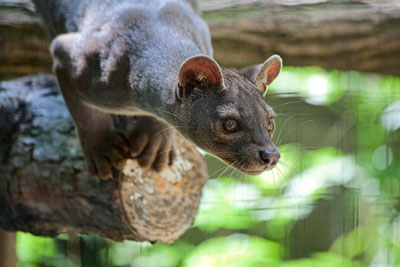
(349, 35)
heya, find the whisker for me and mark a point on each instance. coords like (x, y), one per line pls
(241, 170)
(279, 171)
(292, 114)
(293, 171)
(227, 153)
(273, 176)
(283, 126)
(218, 170)
(298, 149)
(231, 172)
(287, 103)
(233, 165)
(301, 124)
(167, 128)
(285, 164)
(173, 114)
(235, 169)
(290, 168)
(289, 144)
(229, 165)
(175, 148)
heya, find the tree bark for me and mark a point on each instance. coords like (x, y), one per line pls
(46, 190)
(8, 255)
(24, 48)
(359, 35)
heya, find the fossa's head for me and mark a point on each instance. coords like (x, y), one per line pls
(225, 112)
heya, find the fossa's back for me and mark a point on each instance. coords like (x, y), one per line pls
(62, 16)
(155, 35)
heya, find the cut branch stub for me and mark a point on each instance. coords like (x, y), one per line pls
(161, 206)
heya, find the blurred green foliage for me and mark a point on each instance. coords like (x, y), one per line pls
(332, 201)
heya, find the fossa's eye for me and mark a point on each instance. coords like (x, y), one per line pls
(231, 125)
(271, 126)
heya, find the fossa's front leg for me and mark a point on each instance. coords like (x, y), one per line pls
(78, 74)
(102, 146)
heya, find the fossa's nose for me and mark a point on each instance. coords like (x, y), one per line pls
(268, 157)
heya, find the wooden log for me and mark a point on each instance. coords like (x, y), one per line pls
(359, 35)
(46, 190)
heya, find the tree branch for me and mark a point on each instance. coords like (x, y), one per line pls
(350, 35)
(358, 35)
(46, 190)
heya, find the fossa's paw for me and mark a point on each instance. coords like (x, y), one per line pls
(152, 143)
(104, 151)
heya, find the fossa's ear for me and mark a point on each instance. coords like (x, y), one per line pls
(264, 74)
(197, 73)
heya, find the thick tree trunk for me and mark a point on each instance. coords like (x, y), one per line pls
(360, 35)
(45, 189)
(8, 256)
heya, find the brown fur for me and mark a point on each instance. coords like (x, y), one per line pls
(154, 58)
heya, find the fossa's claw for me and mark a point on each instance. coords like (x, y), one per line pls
(103, 154)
